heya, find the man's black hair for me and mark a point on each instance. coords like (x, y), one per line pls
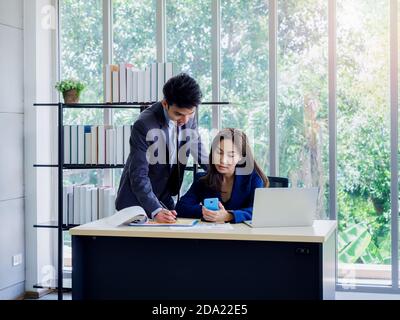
(183, 91)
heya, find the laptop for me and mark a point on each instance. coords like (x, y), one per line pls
(284, 207)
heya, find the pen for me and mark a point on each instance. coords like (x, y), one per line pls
(164, 206)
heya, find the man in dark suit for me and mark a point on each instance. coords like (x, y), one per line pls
(161, 141)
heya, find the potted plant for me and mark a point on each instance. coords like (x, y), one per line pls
(70, 89)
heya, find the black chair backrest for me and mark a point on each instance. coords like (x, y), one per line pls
(278, 182)
(274, 182)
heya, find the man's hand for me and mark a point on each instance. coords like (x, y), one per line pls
(219, 216)
(166, 216)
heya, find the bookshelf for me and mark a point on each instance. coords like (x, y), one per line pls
(59, 225)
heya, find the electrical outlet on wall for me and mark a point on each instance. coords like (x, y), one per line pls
(17, 260)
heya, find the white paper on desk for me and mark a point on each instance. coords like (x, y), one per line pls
(125, 216)
(207, 226)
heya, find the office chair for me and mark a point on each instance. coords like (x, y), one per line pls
(278, 182)
(274, 182)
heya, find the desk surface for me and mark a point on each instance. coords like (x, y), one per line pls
(319, 232)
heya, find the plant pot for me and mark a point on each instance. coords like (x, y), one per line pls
(71, 96)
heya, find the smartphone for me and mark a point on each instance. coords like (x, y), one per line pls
(211, 204)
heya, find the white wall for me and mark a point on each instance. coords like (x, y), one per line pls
(39, 132)
(12, 149)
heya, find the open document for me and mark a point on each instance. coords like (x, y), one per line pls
(136, 217)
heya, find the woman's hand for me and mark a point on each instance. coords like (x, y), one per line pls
(219, 216)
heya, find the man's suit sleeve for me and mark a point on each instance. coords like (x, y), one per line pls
(139, 170)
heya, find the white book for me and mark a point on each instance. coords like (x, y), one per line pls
(147, 85)
(103, 143)
(74, 144)
(127, 146)
(120, 145)
(67, 192)
(135, 85)
(82, 204)
(107, 84)
(88, 202)
(140, 86)
(106, 201)
(67, 144)
(94, 145)
(160, 81)
(65, 204)
(115, 81)
(154, 82)
(88, 148)
(122, 82)
(77, 203)
(114, 141)
(108, 149)
(81, 144)
(169, 71)
(129, 85)
(95, 204)
(101, 203)
(111, 202)
(70, 208)
(101, 140)
(110, 146)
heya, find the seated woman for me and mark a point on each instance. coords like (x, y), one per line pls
(233, 177)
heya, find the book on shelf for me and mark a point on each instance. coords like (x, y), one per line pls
(154, 82)
(129, 84)
(106, 202)
(127, 146)
(94, 145)
(76, 203)
(115, 86)
(160, 80)
(122, 82)
(70, 212)
(147, 85)
(74, 144)
(81, 144)
(141, 86)
(120, 144)
(86, 203)
(107, 80)
(95, 204)
(67, 144)
(135, 81)
(88, 148)
(125, 84)
(67, 193)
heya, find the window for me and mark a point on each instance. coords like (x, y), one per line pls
(189, 47)
(363, 106)
(134, 32)
(81, 50)
(303, 95)
(363, 142)
(81, 57)
(244, 79)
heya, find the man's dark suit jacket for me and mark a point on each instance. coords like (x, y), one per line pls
(145, 183)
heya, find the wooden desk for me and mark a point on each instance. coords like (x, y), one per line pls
(243, 263)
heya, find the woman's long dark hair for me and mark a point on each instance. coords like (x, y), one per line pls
(213, 178)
